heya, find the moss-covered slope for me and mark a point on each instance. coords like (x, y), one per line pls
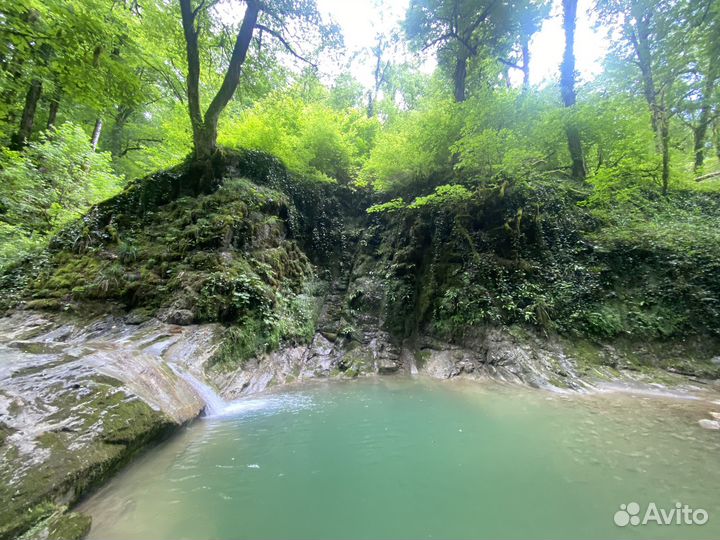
(260, 250)
(236, 251)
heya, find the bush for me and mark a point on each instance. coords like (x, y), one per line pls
(310, 138)
(414, 149)
(50, 183)
(510, 134)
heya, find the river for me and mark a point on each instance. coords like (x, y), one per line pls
(414, 458)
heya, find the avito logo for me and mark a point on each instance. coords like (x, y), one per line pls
(680, 514)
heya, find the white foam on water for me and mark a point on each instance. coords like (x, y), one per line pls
(216, 406)
(645, 391)
(245, 406)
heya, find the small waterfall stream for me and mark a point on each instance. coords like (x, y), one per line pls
(214, 404)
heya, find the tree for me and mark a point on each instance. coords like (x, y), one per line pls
(381, 69)
(567, 89)
(655, 45)
(205, 126)
(532, 14)
(276, 19)
(53, 180)
(65, 49)
(703, 77)
(462, 28)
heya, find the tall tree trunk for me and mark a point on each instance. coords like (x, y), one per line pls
(193, 79)
(640, 39)
(205, 129)
(506, 77)
(567, 89)
(700, 130)
(121, 119)
(54, 108)
(97, 130)
(699, 133)
(664, 133)
(525, 46)
(641, 44)
(27, 120)
(460, 74)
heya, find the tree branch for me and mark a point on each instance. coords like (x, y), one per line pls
(510, 64)
(139, 146)
(197, 9)
(707, 176)
(281, 39)
(481, 18)
(437, 40)
(232, 76)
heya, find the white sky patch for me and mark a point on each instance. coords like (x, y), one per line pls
(548, 45)
(361, 20)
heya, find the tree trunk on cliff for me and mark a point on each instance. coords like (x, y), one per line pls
(700, 130)
(205, 129)
(460, 74)
(54, 108)
(27, 121)
(567, 89)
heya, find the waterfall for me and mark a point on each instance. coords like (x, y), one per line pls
(214, 404)
(413, 364)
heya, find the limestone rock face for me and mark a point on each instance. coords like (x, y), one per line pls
(77, 399)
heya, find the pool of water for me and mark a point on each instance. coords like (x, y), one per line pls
(404, 458)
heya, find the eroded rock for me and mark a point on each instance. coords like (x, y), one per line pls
(77, 400)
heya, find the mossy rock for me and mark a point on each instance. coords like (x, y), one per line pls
(121, 426)
(59, 524)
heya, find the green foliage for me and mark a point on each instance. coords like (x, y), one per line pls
(310, 137)
(391, 206)
(511, 135)
(224, 257)
(447, 195)
(48, 184)
(413, 148)
(480, 30)
(483, 223)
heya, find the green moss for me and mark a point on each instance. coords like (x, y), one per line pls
(126, 424)
(238, 344)
(45, 304)
(224, 253)
(69, 526)
(55, 523)
(356, 361)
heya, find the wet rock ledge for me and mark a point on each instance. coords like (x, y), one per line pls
(76, 403)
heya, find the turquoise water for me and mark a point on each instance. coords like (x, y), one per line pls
(403, 458)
